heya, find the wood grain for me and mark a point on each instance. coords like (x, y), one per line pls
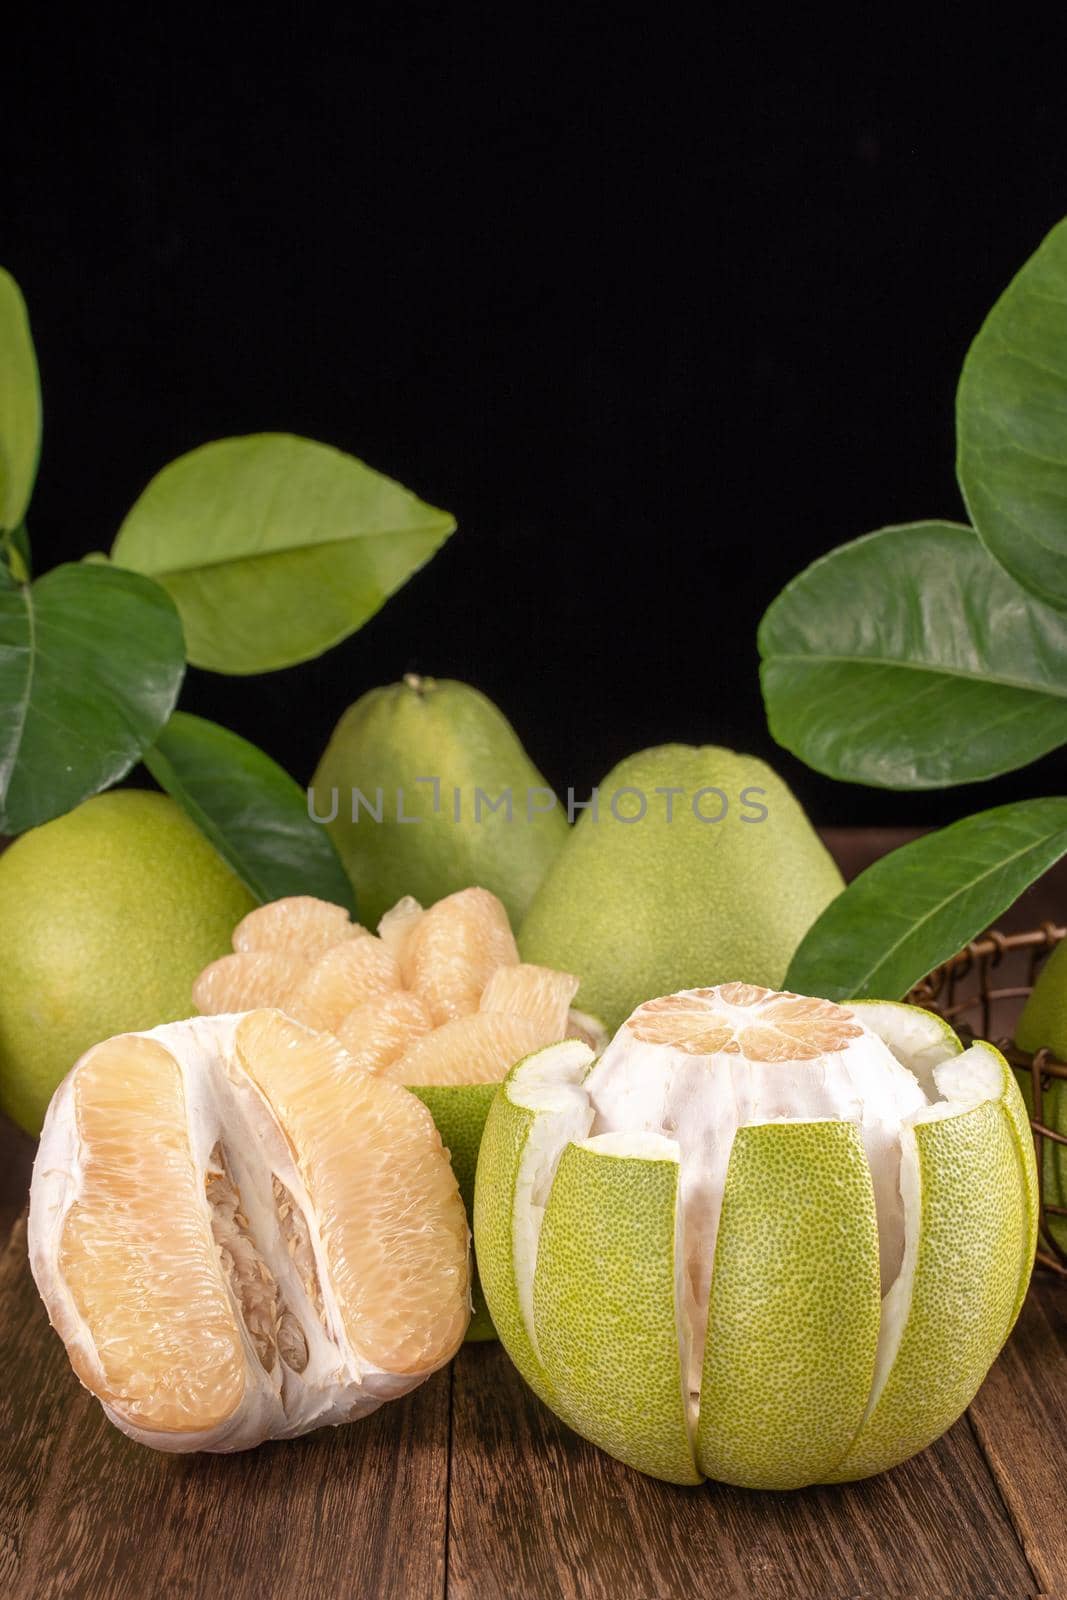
(534, 1510)
(1020, 1419)
(86, 1514)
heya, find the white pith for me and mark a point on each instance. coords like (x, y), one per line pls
(224, 1108)
(653, 1102)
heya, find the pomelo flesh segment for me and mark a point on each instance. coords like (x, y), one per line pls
(795, 1306)
(604, 1302)
(397, 1250)
(342, 978)
(535, 992)
(299, 923)
(453, 949)
(470, 1050)
(378, 1032)
(949, 1312)
(245, 980)
(136, 1252)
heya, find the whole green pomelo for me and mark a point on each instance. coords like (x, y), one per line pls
(439, 752)
(107, 915)
(638, 905)
(1043, 1026)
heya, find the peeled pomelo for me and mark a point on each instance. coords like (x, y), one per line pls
(107, 914)
(637, 904)
(1043, 1026)
(239, 1236)
(442, 753)
(438, 1002)
(765, 1238)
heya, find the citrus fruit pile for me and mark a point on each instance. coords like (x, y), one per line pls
(765, 1238)
(438, 1001)
(239, 1237)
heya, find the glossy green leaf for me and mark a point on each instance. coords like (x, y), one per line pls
(91, 661)
(918, 906)
(1011, 423)
(20, 405)
(251, 810)
(909, 659)
(274, 548)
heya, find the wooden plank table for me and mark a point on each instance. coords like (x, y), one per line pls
(469, 1487)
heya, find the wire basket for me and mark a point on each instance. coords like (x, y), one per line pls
(980, 992)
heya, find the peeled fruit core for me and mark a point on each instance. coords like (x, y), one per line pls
(765, 1238)
(438, 998)
(238, 1236)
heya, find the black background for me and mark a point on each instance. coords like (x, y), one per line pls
(661, 315)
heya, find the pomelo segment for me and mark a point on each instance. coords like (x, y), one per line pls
(245, 980)
(535, 992)
(299, 923)
(240, 1236)
(396, 1246)
(949, 1312)
(378, 1032)
(453, 949)
(344, 977)
(470, 1050)
(605, 1301)
(795, 1306)
(538, 1110)
(152, 1330)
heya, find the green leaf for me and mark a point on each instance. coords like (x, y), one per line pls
(910, 660)
(918, 906)
(251, 810)
(1011, 423)
(91, 661)
(20, 405)
(275, 548)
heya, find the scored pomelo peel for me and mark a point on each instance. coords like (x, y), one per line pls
(437, 1001)
(825, 1214)
(239, 1236)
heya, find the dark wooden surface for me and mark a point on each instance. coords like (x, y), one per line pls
(470, 1488)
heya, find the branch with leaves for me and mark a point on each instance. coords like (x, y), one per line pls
(244, 556)
(935, 654)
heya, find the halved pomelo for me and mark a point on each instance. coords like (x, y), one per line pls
(239, 1236)
(759, 1169)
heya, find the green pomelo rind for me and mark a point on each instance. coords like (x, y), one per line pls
(650, 907)
(604, 1309)
(1011, 1099)
(795, 1307)
(449, 732)
(507, 1134)
(919, 1039)
(459, 1112)
(107, 916)
(971, 1229)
